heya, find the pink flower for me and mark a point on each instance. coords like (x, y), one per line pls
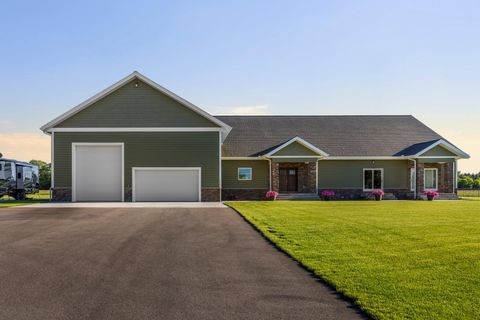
(378, 192)
(272, 194)
(328, 193)
(431, 193)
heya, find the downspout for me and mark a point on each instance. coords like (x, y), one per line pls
(414, 178)
(52, 170)
(269, 174)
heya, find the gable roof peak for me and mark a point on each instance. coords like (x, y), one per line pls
(135, 74)
(301, 141)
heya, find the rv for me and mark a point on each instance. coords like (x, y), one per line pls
(17, 178)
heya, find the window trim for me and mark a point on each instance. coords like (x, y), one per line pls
(436, 179)
(251, 174)
(372, 169)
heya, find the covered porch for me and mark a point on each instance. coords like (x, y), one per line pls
(294, 176)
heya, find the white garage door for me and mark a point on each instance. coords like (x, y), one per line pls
(97, 171)
(166, 184)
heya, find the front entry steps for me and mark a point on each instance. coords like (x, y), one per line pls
(389, 196)
(298, 196)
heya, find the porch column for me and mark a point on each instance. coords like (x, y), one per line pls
(275, 174)
(420, 176)
(448, 177)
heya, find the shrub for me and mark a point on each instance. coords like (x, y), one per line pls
(378, 192)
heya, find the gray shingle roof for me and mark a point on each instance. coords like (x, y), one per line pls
(336, 135)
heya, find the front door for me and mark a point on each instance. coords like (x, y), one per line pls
(288, 179)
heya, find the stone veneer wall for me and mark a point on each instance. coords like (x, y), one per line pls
(65, 194)
(307, 175)
(210, 195)
(243, 194)
(62, 194)
(359, 194)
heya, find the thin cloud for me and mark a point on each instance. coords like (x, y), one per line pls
(261, 109)
(25, 146)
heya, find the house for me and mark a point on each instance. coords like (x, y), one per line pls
(137, 141)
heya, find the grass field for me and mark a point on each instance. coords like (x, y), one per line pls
(396, 260)
(41, 196)
(469, 194)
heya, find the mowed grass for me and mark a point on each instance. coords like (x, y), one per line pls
(41, 196)
(396, 260)
(469, 193)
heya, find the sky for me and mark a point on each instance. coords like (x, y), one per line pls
(245, 57)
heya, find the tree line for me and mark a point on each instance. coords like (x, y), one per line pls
(469, 180)
(45, 173)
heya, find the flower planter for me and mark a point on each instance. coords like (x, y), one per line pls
(378, 194)
(327, 194)
(271, 195)
(431, 195)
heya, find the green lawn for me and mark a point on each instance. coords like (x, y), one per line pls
(471, 198)
(469, 193)
(41, 196)
(396, 260)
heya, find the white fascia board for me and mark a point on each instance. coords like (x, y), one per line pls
(142, 129)
(244, 158)
(450, 147)
(302, 142)
(134, 75)
(295, 157)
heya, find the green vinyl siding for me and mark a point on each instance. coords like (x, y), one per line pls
(348, 174)
(141, 106)
(438, 151)
(145, 149)
(260, 174)
(435, 160)
(295, 149)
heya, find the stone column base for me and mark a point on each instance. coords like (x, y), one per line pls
(62, 194)
(210, 195)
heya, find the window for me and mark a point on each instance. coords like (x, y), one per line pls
(372, 179)
(431, 178)
(244, 173)
(19, 175)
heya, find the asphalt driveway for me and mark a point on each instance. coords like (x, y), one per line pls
(150, 263)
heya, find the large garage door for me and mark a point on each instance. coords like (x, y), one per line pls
(97, 171)
(166, 184)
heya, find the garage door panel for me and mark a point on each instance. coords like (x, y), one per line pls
(98, 172)
(166, 184)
